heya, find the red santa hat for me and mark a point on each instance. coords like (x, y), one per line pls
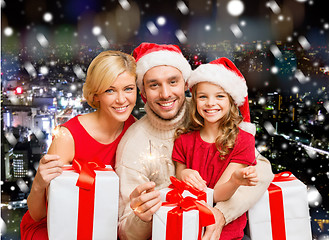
(225, 74)
(149, 55)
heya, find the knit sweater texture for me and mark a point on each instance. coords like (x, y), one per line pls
(144, 154)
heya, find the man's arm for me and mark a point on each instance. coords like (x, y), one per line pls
(245, 196)
(138, 202)
(136, 190)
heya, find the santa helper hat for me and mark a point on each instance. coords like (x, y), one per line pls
(149, 55)
(225, 74)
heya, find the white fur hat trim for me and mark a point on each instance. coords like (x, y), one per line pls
(217, 74)
(248, 127)
(159, 58)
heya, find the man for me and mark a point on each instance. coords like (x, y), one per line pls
(143, 160)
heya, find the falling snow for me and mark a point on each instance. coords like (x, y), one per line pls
(276, 54)
(161, 21)
(47, 17)
(181, 36)
(152, 28)
(103, 41)
(96, 30)
(182, 7)
(236, 30)
(125, 4)
(8, 31)
(269, 128)
(275, 51)
(304, 42)
(235, 7)
(274, 7)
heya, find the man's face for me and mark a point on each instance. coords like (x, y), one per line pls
(164, 90)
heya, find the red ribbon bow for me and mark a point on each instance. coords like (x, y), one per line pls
(179, 187)
(276, 205)
(174, 228)
(86, 183)
(284, 177)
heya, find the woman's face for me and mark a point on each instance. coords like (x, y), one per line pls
(119, 99)
(212, 102)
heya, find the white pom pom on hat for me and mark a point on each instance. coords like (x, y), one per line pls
(225, 74)
(149, 55)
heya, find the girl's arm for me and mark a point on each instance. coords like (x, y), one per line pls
(190, 176)
(179, 168)
(235, 175)
(61, 151)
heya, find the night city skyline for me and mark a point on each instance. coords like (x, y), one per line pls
(281, 48)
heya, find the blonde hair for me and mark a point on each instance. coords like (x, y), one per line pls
(104, 70)
(228, 127)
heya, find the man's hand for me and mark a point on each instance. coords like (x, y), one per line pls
(145, 201)
(213, 231)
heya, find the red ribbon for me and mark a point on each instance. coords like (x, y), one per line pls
(179, 187)
(276, 205)
(174, 228)
(284, 177)
(86, 183)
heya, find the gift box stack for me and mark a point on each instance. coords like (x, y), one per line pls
(182, 214)
(83, 203)
(282, 213)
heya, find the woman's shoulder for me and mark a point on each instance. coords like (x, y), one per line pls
(71, 121)
(130, 121)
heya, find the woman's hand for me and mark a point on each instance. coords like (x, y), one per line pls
(193, 178)
(245, 176)
(50, 167)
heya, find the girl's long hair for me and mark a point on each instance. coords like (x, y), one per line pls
(228, 127)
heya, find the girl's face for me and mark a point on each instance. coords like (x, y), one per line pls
(119, 99)
(212, 102)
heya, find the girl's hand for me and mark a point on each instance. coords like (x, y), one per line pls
(49, 167)
(245, 176)
(193, 178)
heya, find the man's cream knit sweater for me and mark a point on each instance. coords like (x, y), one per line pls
(144, 154)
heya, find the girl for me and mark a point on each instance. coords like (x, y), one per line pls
(216, 147)
(110, 88)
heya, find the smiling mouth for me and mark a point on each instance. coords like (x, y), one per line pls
(212, 110)
(120, 109)
(167, 104)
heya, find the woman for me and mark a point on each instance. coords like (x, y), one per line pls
(110, 88)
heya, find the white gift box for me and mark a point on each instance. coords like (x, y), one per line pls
(63, 203)
(190, 223)
(296, 214)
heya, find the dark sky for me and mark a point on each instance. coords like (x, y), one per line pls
(299, 18)
(17, 11)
